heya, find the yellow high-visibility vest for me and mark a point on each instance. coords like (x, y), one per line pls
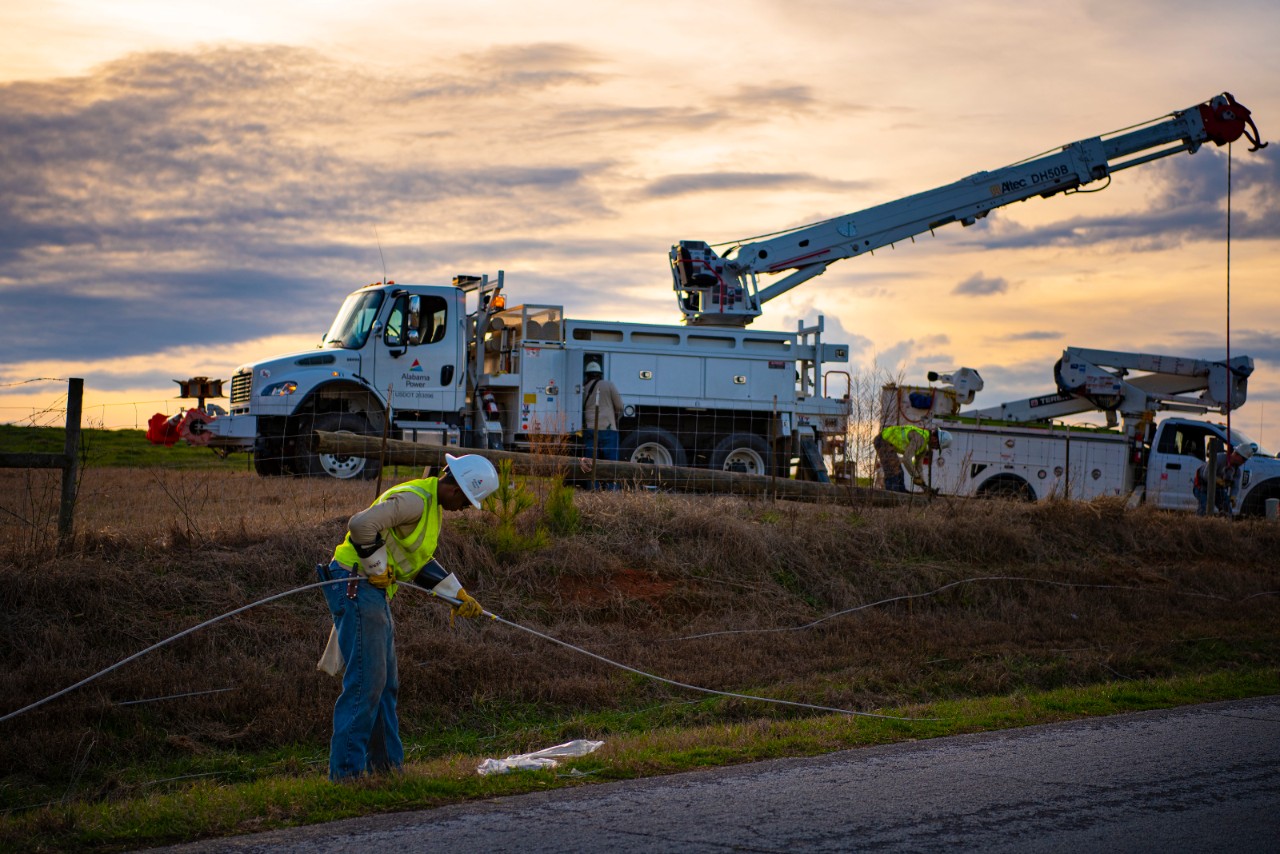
(406, 556)
(900, 435)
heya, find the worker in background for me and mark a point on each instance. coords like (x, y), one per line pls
(601, 411)
(390, 543)
(1226, 479)
(904, 446)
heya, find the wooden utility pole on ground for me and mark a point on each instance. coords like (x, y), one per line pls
(584, 470)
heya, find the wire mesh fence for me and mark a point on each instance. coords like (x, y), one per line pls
(188, 481)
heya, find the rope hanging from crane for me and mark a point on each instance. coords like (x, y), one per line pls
(1230, 443)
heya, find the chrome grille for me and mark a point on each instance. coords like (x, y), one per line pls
(241, 387)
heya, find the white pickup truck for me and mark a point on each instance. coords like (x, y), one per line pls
(1016, 449)
(1041, 462)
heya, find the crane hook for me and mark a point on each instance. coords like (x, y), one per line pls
(1255, 137)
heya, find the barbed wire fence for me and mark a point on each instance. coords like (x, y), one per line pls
(120, 415)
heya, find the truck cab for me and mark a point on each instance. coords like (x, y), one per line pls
(391, 349)
(1179, 449)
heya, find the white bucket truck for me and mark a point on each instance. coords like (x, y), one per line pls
(422, 362)
(1018, 450)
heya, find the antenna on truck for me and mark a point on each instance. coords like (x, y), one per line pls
(378, 240)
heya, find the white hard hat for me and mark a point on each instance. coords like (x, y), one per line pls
(944, 439)
(475, 475)
(593, 367)
(1246, 449)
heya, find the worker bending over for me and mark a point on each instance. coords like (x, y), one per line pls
(905, 446)
(390, 543)
(1226, 479)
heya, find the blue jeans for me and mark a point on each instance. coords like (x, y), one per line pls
(608, 449)
(608, 444)
(1202, 499)
(366, 732)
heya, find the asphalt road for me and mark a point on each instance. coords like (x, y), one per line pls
(1202, 779)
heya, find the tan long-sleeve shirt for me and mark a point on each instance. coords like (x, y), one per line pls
(601, 396)
(400, 510)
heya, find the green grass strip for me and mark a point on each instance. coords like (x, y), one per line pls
(206, 809)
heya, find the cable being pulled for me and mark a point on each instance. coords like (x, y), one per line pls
(166, 641)
(452, 601)
(945, 587)
(663, 679)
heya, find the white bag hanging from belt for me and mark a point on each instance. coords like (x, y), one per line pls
(331, 661)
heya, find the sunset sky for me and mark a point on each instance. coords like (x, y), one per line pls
(188, 186)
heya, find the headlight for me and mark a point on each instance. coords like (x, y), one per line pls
(280, 389)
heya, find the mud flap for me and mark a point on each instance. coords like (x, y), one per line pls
(811, 465)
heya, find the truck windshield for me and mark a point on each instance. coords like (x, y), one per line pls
(1239, 438)
(351, 327)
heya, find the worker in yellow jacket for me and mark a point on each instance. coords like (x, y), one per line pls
(390, 543)
(904, 446)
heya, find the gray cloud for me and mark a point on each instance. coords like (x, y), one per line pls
(785, 97)
(980, 285)
(249, 182)
(807, 309)
(601, 119)
(1262, 344)
(902, 355)
(1033, 335)
(150, 311)
(490, 75)
(698, 182)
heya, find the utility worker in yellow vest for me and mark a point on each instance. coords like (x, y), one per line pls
(904, 446)
(390, 543)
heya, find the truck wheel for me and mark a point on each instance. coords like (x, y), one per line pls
(334, 465)
(1255, 504)
(653, 446)
(269, 463)
(742, 452)
(1007, 486)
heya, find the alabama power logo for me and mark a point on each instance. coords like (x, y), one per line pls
(415, 377)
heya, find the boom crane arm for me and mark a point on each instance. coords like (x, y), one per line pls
(723, 290)
(1092, 380)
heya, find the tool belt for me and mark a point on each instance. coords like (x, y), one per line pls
(326, 572)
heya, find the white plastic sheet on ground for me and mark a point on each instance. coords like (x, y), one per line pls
(548, 757)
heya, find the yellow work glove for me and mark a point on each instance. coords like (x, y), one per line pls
(467, 607)
(382, 582)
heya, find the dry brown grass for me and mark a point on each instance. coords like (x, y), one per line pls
(158, 552)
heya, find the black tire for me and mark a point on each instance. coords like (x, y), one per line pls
(332, 465)
(1255, 504)
(269, 462)
(1007, 486)
(746, 453)
(654, 446)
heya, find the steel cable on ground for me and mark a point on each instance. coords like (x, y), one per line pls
(677, 684)
(488, 614)
(945, 587)
(155, 646)
(628, 668)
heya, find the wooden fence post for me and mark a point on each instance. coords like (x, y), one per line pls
(71, 464)
(68, 461)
